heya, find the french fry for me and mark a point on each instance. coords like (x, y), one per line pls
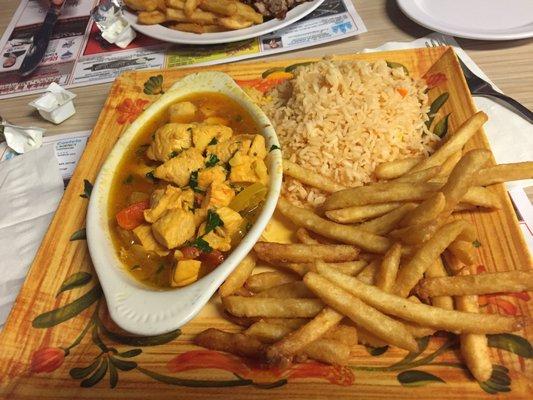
(298, 340)
(329, 351)
(388, 268)
(248, 13)
(293, 323)
(413, 271)
(464, 251)
(272, 308)
(151, 17)
(178, 4)
(345, 234)
(267, 332)
(186, 27)
(309, 177)
(382, 326)
(287, 290)
(304, 237)
(190, 6)
(426, 211)
(482, 197)
(368, 274)
(417, 234)
(234, 343)
(421, 314)
(474, 347)
(197, 16)
(266, 280)
(343, 333)
(386, 223)
(238, 276)
(141, 5)
(234, 23)
(504, 173)
(454, 143)
(222, 7)
(419, 176)
(435, 270)
(361, 213)
(285, 253)
(367, 339)
(486, 283)
(449, 164)
(347, 267)
(397, 168)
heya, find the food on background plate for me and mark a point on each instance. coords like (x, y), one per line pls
(405, 220)
(208, 16)
(188, 190)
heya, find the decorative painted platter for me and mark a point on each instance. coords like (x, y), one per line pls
(59, 342)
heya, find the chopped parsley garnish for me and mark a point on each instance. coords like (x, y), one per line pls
(189, 130)
(142, 149)
(173, 154)
(201, 245)
(213, 221)
(193, 182)
(128, 180)
(160, 268)
(213, 159)
(274, 147)
(238, 118)
(136, 266)
(476, 243)
(213, 141)
(150, 175)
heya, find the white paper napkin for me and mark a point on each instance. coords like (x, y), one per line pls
(30, 190)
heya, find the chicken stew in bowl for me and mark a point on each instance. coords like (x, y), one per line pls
(188, 190)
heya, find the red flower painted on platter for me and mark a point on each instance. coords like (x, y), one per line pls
(502, 304)
(435, 80)
(129, 110)
(47, 359)
(248, 369)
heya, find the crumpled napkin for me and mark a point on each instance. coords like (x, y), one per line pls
(510, 136)
(22, 139)
(30, 190)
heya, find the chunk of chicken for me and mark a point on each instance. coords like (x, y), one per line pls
(169, 140)
(225, 150)
(247, 169)
(209, 175)
(184, 111)
(258, 147)
(174, 228)
(216, 121)
(167, 199)
(185, 272)
(216, 239)
(219, 194)
(143, 234)
(203, 134)
(178, 169)
(232, 220)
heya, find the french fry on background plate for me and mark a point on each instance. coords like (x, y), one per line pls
(298, 252)
(422, 314)
(151, 17)
(222, 7)
(238, 276)
(248, 13)
(268, 307)
(310, 177)
(141, 5)
(190, 6)
(234, 23)
(381, 326)
(178, 4)
(485, 283)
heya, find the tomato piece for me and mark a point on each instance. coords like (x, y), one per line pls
(190, 252)
(212, 259)
(132, 216)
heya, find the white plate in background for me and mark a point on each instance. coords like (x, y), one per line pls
(170, 35)
(473, 19)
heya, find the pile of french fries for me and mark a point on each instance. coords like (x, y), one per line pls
(369, 267)
(196, 16)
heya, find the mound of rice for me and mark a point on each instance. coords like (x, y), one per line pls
(341, 119)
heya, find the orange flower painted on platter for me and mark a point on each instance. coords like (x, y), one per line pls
(264, 84)
(129, 110)
(435, 80)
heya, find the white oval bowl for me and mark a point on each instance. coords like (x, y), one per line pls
(138, 308)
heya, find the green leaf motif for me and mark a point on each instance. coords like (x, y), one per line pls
(97, 376)
(140, 341)
(79, 235)
(98, 341)
(499, 381)
(415, 378)
(130, 353)
(79, 373)
(123, 365)
(376, 351)
(73, 281)
(271, 71)
(292, 67)
(392, 64)
(513, 343)
(154, 85)
(436, 106)
(423, 343)
(441, 127)
(87, 189)
(172, 380)
(113, 375)
(273, 385)
(62, 314)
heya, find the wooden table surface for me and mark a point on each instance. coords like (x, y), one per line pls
(509, 64)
